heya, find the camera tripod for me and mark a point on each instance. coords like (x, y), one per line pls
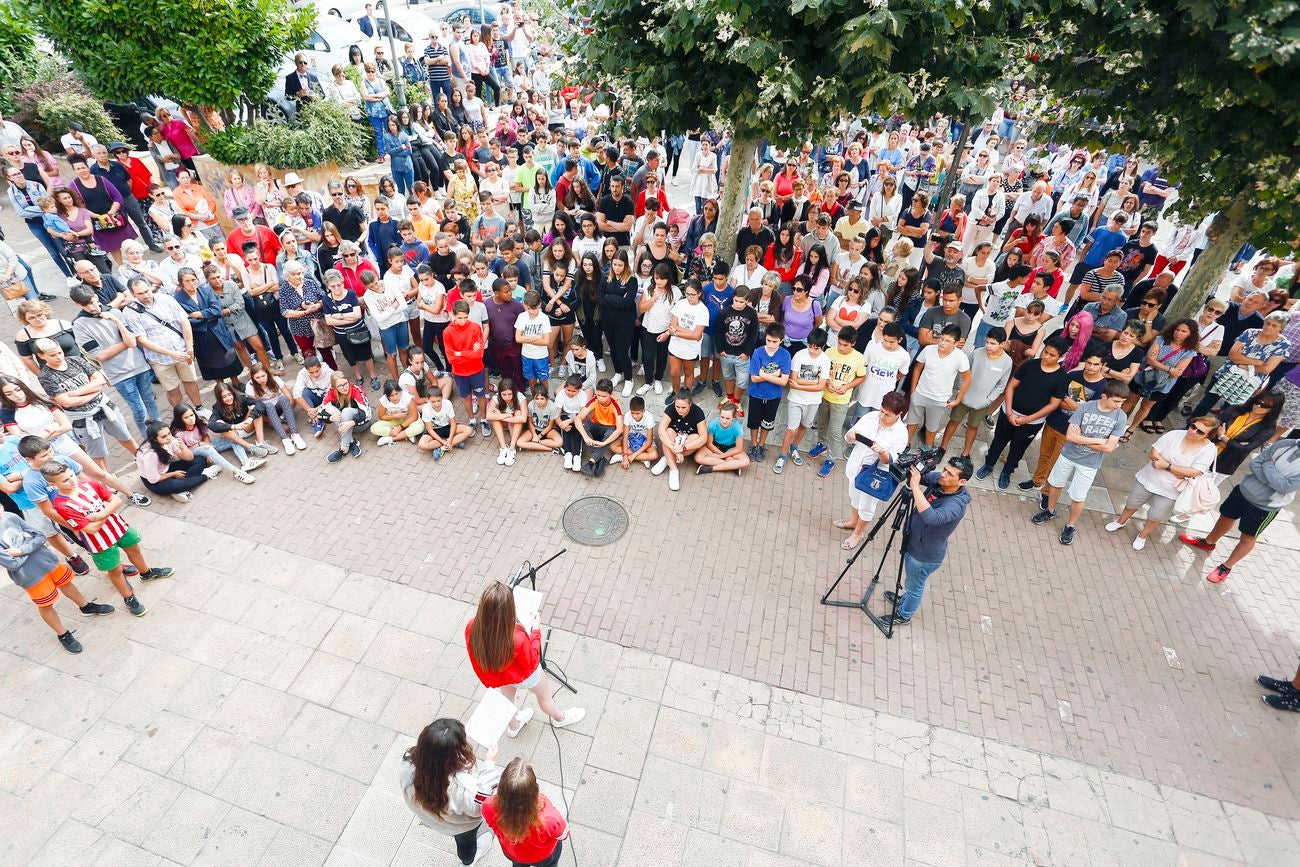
(898, 515)
(528, 571)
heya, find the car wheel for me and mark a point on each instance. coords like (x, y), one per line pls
(274, 112)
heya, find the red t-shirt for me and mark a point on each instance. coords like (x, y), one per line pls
(542, 837)
(528, 655)
(268, 243)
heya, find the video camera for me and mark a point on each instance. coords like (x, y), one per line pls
(924, 459)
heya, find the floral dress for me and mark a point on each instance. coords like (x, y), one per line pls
(465, 194)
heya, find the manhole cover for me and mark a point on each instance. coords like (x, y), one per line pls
(594, 520)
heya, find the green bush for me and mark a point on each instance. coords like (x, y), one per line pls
(321, 133)
(54, 112)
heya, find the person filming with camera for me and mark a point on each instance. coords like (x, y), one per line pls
(940, 501)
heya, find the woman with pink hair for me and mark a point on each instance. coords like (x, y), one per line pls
(1078, 330)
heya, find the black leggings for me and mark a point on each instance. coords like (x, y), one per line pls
(654, 355)
(194, 477)
(484, 83)
(673, 157)
(431, 343)
(467, 844)
(621, 338)
(1018, 438)
(591, 329)
(571, 440)
(1168, 402)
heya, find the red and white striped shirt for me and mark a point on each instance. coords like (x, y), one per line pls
(90, 497)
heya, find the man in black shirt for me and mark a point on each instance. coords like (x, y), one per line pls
(615, 212)
(1137, 255)
(948, 270)
(1035, 391)
(349, 219)
(754, 234)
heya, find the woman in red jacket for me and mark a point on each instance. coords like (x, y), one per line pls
(528, 826)
(784, 256)
(508, 658)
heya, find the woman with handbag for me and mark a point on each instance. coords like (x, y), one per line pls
(1243, 429)
(1209, 340)
(343, 312)
(301, 301)
(1252, 358)
(1168, 357)
(104, 202)
(1176, 458)
(878, 437)
(214, 345)
(79, 243)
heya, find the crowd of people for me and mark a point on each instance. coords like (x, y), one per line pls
(521, 278)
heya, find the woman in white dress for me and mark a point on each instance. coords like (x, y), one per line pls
(704, 174)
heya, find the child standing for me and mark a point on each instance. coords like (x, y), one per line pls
(990, 370)
(735, 336)
(935, 373)
(886, 361)
(810, 370)
(769, 371)
(463, 341)
(533, 334)
(847, 373)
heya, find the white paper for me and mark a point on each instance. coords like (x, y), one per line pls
(490, 719)
(528, 606)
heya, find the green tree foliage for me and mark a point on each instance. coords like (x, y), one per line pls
(321, 133)
(198, 52)
(1206, 88)
(16, 50)
(786, 70)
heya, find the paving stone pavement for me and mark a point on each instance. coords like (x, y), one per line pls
(258, 713)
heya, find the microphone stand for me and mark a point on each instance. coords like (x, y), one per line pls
(528, 572)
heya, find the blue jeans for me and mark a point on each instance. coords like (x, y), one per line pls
(436, 87)
(137, 391)
(379, 124)
(52, 245)
(914, 584)
(404, 178)
(980, 333)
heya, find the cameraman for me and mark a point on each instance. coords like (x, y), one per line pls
(940, 500)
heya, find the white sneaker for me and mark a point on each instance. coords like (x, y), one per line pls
(1115, 525)
(510, 457)
(600, 365)
(501, 456)
(183, 496)
(572, 717)
(521, 720)
(659, 387)
(577, 464)
(1139, 543)
(299, 442)
(674, 480)
(289, 447)
(658, 468)
(568, 461)
(484, 844)
(643, 390)
(211, 472)
(640, 370)
(252, 464)
(270, 449)
(203, 412)
(563, 371)
(618, 378)
(646, 464)
(245, 478)
(384, 441)
(627, 388)
(75, 281)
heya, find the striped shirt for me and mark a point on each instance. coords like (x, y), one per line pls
(440, 72)
(89, 498)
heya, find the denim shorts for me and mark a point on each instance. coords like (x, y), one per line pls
(475, 383)
(708, 346)
(536, 368)
(395, 337)
(531, 680)
(733, 368)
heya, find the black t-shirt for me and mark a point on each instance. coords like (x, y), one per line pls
(349, 220)
(747, 237)
(1113, 361)
(617, 210)
(1079, 390)
(1134, 259)
(442, 265)
(1036, 387)
(685, 425)
(1234, 324)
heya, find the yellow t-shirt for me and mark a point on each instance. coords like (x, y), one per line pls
(844, 369)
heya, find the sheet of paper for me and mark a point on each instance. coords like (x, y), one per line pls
(528, 605)
(490, 719)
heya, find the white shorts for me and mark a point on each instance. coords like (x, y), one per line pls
(1078, 478)
(801, 414)
(864, 503)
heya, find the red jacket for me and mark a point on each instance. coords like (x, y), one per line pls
(352, 276)
(787, 274)
(464, 345)
(140, 178)
(528, 655)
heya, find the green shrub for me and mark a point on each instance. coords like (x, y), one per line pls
(321, 133)
(54, 112)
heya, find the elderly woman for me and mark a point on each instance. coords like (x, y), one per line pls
(301, 302)
(101, 199)
(134, 264)
(214, 345)
(38, 321)
(268, 192)
(374, 95)
(15, 278)
(234, 315)
(344, 92)
(1174, 457)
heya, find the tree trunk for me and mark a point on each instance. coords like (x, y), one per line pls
(735, 195)
(954, 170)
(1226, 235)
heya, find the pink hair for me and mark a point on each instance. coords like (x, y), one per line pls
(1075, 352)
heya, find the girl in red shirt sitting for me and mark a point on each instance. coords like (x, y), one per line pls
(531, 831)
(508, 658)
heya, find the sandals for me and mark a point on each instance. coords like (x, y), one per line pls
(850, 543)
(1148, 427)
(1158, 428)
(1128, 435)
(844, 525)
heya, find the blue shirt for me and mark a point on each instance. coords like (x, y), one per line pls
(716, 302)
(525, 272)
(1103, 241)
(590, 174)
(37, 488)
(724, 437)
(14, 464)
(762, 360)
(931, 528)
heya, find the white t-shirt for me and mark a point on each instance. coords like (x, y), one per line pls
(1000, 301)
(892, 439)
(807, 369)
(533, 326)
(1163, 482)
(430, 295)
(740, 276)
(401, 405)
(883, 367)
(1051, 306)
(939, 377)
(436, 418)
(657, 319)
(852, 314)
(388, 305)
(570, 406)
(643, 427)
(849, 270)
(689, 316)
(968, 294)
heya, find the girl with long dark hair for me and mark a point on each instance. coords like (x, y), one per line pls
(445, 785)
(586, 283)
(168, 466)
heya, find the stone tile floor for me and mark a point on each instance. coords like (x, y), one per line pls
(258, 713)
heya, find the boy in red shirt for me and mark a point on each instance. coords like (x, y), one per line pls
(464, 343)
(91, 510)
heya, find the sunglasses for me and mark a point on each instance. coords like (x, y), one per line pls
(1150, 303)
(1198, 429)
(1264, 405)
(172, 247)
(1214, 312)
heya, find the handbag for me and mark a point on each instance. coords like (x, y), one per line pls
(1235, 384)
(357, 335)
(109, 222)
(1196, 368)
(875, 481)
(1200, 494)
(322, 336)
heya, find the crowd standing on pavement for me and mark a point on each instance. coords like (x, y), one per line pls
(521, 281)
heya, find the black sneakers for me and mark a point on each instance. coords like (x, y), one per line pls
(1026, 485)
(133, 605)
(78, 565)
(1283, 687)
(1283, 702)
(1043, 516)
(96, 609)
(355, 449)
(70, 642)
(702, 469)
(1067, 534)
(335, 456)
(157, 572)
